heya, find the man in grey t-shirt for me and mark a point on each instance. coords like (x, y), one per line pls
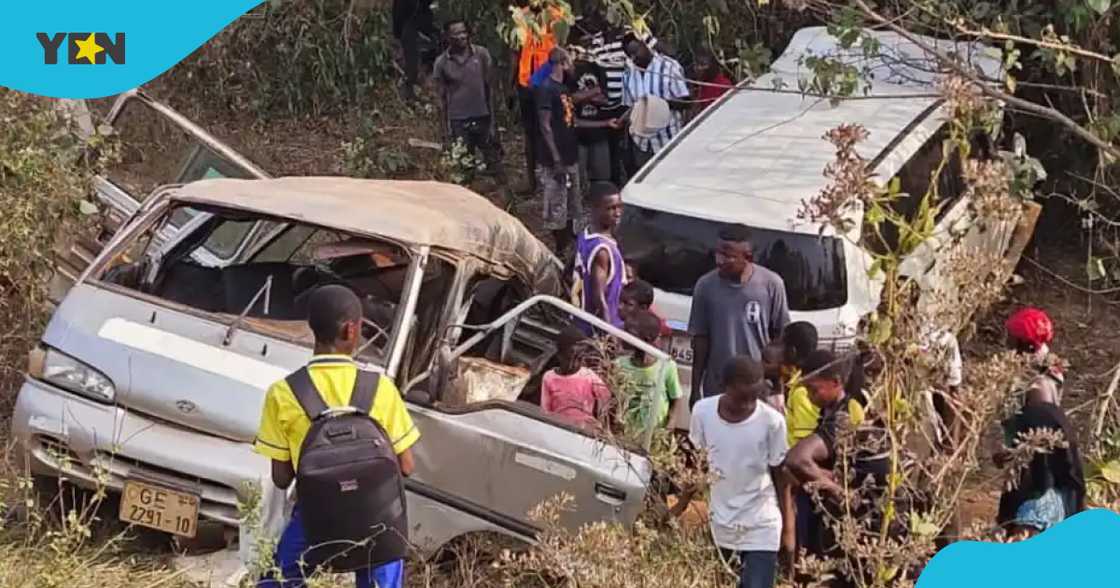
(464, 78)
(736, 310)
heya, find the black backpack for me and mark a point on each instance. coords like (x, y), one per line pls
(348, 483)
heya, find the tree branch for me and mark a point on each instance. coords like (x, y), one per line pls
(1070, 48)
(988, 89)
(1107, 401)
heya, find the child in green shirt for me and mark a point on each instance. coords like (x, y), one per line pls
(652, 385)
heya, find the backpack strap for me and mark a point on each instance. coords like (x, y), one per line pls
(306, 393)
(365, 391)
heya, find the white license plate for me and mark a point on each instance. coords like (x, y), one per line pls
(156, 507)
(681, 350)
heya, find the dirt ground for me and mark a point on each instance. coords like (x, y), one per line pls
(1087, 337)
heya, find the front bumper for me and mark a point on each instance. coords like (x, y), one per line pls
(98, 445)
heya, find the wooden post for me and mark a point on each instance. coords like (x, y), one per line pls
(1021, 236)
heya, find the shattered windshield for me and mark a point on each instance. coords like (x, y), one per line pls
(673, 251)
(269, 291)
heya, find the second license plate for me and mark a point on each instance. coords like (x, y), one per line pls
(681, 350)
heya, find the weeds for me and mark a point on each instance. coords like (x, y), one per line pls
(461, 164)
(53, 536)
(307, 57)
(362, 158)
(602, 555)
(44, 174)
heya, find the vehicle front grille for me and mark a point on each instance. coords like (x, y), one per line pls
(58, 452)
(219, 501)
(211, 491)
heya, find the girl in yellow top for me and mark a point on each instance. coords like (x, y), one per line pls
(802, 416)
(800, 339)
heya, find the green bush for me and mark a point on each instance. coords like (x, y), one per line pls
(43, 177)
(305, 57)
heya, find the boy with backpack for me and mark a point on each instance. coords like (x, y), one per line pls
(344, 436)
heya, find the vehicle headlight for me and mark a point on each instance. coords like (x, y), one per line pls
(72, 375)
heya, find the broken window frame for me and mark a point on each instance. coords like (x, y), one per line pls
(152, 216)
(508, 322)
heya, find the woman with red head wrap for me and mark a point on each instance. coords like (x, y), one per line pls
(1052, 486)
(1030, 330)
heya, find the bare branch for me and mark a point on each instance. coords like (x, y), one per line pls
(1083, 289)
(988, 89)
(1070, 48)
(1107, 402)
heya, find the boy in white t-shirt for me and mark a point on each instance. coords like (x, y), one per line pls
(746, 444)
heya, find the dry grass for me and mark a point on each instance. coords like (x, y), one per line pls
(64, 558)
(57, 536)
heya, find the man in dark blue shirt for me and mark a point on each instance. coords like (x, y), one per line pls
(558, 151)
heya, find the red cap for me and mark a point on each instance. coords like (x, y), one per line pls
(1031, 325)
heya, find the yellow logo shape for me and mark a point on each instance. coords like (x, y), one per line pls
(88, 49)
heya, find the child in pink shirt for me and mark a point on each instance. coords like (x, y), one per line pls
(572, 392)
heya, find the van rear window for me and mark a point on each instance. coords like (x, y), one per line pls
(673, 251)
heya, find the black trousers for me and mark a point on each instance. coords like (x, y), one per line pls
(617, 140)
(410, 18)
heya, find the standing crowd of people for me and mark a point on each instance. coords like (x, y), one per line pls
(767, 404)
(594, 110)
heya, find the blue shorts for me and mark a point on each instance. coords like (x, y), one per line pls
(291, 548)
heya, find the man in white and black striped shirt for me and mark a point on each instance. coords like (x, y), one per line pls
(608, 49)
(654, 74)
(605, 45)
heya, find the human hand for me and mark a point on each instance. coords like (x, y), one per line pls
(615, 124)
(787, 552)
(827, 487)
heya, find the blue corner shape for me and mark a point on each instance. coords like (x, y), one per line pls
(150, 36)
(1077, 552)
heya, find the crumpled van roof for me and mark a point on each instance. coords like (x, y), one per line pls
(453, 220)
(754, 156)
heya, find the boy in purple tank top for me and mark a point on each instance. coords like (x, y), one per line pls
(599, 271)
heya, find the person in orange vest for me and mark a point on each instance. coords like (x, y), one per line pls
(530, 56)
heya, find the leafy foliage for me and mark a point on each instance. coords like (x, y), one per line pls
(367, 156)
(44, 175)
(306, 57)
(461, 163)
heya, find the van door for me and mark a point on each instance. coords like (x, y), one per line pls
(496, 456)
(958, 230)
(157, 146)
